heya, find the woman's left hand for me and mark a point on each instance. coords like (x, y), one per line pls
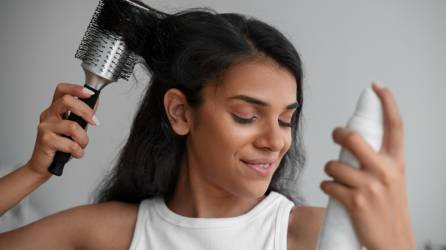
(375, 193)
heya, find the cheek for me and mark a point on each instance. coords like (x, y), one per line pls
(228, 135)
(220, 137)
(287, 146)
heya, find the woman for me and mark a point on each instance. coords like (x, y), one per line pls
(213, 156)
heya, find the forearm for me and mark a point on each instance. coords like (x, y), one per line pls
(17, 185)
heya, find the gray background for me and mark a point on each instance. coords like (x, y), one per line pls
(345, 45)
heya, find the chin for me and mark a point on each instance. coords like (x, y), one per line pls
(253, 192)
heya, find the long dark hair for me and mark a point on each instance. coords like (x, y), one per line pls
(186, 50)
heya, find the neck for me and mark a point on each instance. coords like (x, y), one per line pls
(195, 197)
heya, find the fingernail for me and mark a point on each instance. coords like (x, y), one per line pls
(96, 121)
(87, 91)
(378, 85)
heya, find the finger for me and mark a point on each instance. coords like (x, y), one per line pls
(58, 143)
(393, 124)
(337, 191)
(68, 102)
(71, 129)
(346, 175)
(71, 89)
(45, 115)
(358, 147)
(94, 110)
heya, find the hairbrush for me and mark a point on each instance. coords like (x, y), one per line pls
(105, 59)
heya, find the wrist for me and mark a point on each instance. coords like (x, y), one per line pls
(31, 170)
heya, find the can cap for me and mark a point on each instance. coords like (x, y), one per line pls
(369, 106)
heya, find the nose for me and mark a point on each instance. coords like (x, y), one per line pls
(272, 137)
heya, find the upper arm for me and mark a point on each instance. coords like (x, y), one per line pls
(109, 226)
(304, 227)
(53, 232)
(84, 227)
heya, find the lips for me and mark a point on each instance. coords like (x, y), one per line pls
(263, 167)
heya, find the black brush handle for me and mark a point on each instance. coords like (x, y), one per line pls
(58, 164)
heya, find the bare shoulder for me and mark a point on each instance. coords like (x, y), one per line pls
(99, 226)
(108, 225)
(304, 227)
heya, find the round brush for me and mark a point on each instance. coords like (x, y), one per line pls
(105, 59)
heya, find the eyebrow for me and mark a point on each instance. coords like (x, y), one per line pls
(258, 102)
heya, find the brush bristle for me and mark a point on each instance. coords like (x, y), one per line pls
(103, 59)
(89, 35)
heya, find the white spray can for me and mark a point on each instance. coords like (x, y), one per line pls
(337, 232)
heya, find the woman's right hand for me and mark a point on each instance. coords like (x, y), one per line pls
(52, 127)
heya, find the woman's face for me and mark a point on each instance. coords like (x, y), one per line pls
(243, 126)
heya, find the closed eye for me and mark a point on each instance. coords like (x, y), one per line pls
(284, 124)
(243, 120)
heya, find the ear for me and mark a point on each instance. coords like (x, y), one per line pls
(178, 111)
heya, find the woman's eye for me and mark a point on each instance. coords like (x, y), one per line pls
(243, 120)
(252, 119)
(284, 124)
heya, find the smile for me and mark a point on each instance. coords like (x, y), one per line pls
(263, 169)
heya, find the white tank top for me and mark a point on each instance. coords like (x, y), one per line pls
(263, 227)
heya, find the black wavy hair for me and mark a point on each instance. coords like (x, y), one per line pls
(187, 50)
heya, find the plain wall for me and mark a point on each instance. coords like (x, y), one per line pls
(344, 45)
